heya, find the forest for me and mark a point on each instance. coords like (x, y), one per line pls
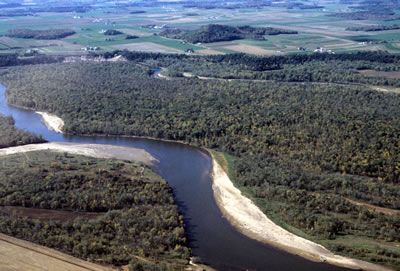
(112, 32)
(11, 136)
(311, 156)
(290, 68)
(134, 220)
(7, 60)
(50, 34)
(369, 28)
(216, 32)
(368, 15)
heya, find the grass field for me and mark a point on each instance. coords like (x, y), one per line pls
(16, 254)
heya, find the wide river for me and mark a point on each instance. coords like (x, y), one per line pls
(187, 170)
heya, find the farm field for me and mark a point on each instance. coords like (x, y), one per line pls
(16, 254)
(315, 30)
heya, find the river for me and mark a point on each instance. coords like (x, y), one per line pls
(187, 170)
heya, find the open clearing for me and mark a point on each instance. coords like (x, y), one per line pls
(135, 32)
(147, 47)
(392, 75)
(210, 52)
(46, 214)
(93, 150)
(249, 49)
(9, 42)
(59, 43)
(17, 255)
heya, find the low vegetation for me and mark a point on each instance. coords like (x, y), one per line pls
(135, 219)
(11, 136)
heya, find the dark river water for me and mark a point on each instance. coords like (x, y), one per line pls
(187, 170)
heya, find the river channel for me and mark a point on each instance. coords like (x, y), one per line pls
(187, 170)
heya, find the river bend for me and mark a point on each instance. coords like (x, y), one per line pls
(187, 170)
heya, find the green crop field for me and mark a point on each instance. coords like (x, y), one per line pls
(315, 28)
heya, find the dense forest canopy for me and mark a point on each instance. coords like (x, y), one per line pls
(7, 60)
(291, 68)
(49, 34)
(311, 155)
(369, 28)
(11, 136)
(216, 32)
(112, 32)
(128, 212)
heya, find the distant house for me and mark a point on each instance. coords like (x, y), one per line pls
(160, 26)
(89, 48)
(323, 50)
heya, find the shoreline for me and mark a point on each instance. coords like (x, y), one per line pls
(93, 150)
(51, 121)
(247, 218)
(108, 135)
(239, 210)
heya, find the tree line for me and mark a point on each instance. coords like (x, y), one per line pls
(11, 136)
(49, 34)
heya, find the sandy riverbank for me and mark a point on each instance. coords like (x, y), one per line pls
(52, 122)
(248, 219)
(93, 150)
(239, 210)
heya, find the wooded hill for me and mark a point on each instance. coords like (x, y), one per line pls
(106, 211)
(216, 32)
(370, 28)
(49, 34)
(306, 153)
(112, 32)
(11, 136)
